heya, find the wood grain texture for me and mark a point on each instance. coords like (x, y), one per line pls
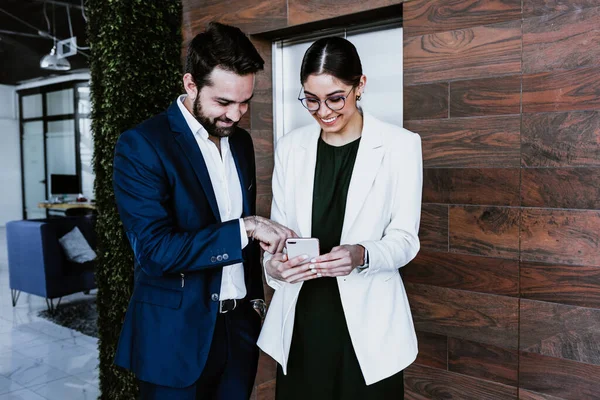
(562, 90)
(557, 377)
(482, 318)
(267, 369)
(493, 186)
(426, 101)
(263, 153)
(560, 236)
(428, 16)
(251, 16)
(303, 11)
(561, 187)
(469, 142)
(492, 96)
(561, 41)
(567, 284)
(560, 331)
(543, 7)
(561, 139)
(263, 205)
(266, 391)
(529, 395)
(464, 272)
(422, 383)
(433, 231)
(483, 361)
(433, 350)
(485, 231)
(478, 52)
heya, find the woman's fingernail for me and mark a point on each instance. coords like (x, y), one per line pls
(319, 275)
(311, 266)
(314, 260)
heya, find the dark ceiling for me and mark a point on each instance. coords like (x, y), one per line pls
(21, 48)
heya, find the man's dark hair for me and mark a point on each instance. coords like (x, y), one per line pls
(224, 46)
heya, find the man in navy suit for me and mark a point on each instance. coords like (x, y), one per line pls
(185, 185)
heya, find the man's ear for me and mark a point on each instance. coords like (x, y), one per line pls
(190, 86)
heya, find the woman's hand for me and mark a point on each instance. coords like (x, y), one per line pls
(290, 271)
(340, 261)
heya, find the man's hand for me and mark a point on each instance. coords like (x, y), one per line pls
(340, 261)
(280, 268)
(270, 234)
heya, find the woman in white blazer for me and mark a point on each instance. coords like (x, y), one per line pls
(340, 326)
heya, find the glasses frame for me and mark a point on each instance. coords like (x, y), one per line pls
(301, 99)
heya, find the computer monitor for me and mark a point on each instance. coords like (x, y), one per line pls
(64, 184)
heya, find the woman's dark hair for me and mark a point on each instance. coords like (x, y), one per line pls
(334, 56)
(224, 46)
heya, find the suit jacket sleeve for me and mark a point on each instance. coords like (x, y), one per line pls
(143, 196)
(400, 241)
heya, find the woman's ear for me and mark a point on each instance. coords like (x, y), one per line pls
(362, 84)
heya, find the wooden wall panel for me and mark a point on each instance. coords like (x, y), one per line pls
(542, 7)
(561, 187)
(482, 318)
(426, 101)
(477, 52)
(491, 96)
(561, 41)
(567, 284)
(560, 378)
(562, 90)
(560, 237)
(433, 232)
(469, 142)
(303, 11)
(464, 272)
(485, 231)
(428, 16)
(430, 383)
(251, 16)
(493, 186)
(570, 139)
(483, 361)
(560, 331)
(529, 395)
(433, 350)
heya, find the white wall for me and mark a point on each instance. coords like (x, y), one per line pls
(11, 206)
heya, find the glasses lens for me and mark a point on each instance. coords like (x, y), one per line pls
(335, 103)
(311, 104)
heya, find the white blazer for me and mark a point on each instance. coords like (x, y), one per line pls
(383, 211)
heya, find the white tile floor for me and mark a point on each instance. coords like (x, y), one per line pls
(40, 360)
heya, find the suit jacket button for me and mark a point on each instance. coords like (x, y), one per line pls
(213, 259)
(219, 258)
(214, 297)
(225, 256)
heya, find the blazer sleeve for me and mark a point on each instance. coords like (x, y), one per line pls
(277, 209)
(400, 241)
(143, 193)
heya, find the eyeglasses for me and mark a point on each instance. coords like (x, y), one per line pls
(334, 103)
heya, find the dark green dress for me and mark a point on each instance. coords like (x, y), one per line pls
(322, 364)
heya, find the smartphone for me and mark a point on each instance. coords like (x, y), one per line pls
(300, 246)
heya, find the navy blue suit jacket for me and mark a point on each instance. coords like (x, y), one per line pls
(170, 215)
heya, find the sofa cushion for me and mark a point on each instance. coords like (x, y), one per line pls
(76, 247)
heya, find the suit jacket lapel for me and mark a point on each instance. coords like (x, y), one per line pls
(242, 165)
(189, 147)
(305, 169)
(366, 166)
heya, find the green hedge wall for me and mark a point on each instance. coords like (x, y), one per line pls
(136, 73)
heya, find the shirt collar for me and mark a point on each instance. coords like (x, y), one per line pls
(195, 126)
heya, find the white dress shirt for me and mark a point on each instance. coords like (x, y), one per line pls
(228, 191)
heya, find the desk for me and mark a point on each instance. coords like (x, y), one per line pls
(66, 206)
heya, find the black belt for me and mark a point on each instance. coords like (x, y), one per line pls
(229, 305)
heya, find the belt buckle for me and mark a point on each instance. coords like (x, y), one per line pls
(221, 311)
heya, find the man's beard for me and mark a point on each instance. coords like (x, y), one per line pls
(211, 125)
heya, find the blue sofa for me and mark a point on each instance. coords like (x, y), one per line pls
(37, 263)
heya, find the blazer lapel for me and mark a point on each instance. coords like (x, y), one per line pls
(242, 165)
(366, 166)
(304, 169)
(189, 147)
